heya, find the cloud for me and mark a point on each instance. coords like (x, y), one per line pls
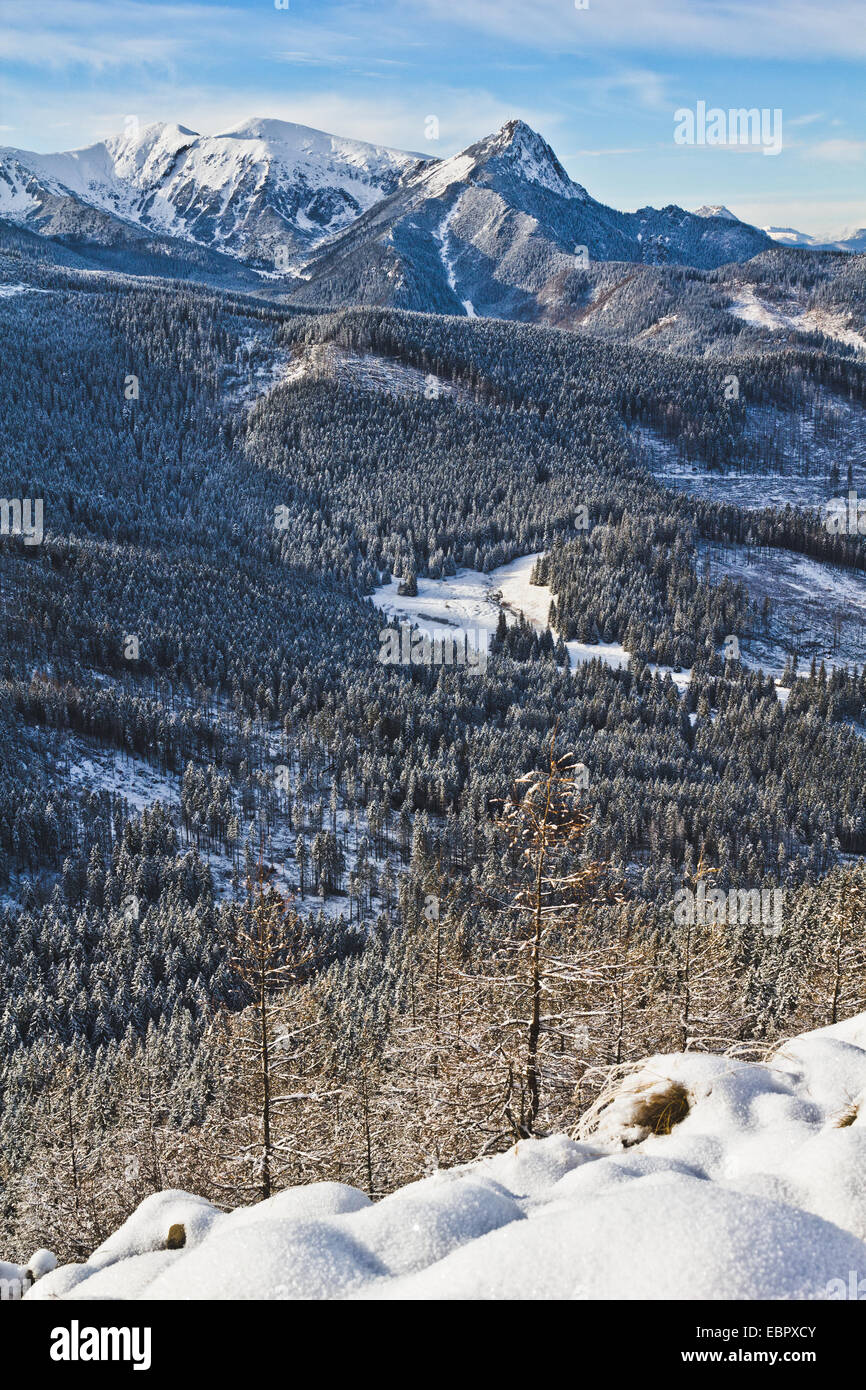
(593, 154)
(773, 29)
(837, 151)
(315, 60)
(627, 87)
(94, 35)
(392, 118)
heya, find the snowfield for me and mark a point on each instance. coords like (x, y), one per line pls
(793, 318)
(811, 600)
(472, 600)
(7, 291)
(759, 1191)
(364, 371)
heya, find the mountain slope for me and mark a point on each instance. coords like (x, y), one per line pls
(500, 229)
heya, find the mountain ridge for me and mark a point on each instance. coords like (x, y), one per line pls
(498, 229)
(267, 184)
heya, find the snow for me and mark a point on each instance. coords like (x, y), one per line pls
(439, 177)
(442, 234)
(663, 1236)
(818, 609)
(465, 600)
(757, 1192)
(472, 600)
(166, 176)
(93, 767)
(16, 199)
(788, 236)
(793, 318)
(16, 1279)
(276, 1260)
(311, 1203)
(535, 163)
(7, 291)
(806, 594)
(82, 763)
(664, 322)
(365, 371)
(716, 210)
(425, 1221)
(784, 457)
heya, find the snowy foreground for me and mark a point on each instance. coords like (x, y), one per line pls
(758, 1191)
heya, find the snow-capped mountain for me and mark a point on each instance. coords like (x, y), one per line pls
(267, 190)
(719, 210)
(500, 229)
(854, 241)
(789, 236)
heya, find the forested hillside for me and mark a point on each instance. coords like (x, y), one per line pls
(198, 728)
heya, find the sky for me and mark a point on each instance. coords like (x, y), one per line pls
(601, 80)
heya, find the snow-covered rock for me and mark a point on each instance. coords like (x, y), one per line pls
(695, 1176)
(15, 1280)
(717, 210)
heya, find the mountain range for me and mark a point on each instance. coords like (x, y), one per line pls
(854, 240)
(499, 229)
(264, 186)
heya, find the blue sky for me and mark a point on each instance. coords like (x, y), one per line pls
(601, 83)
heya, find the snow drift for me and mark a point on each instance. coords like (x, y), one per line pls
(696, 1176)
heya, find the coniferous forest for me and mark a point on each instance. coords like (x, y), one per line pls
(275, 911)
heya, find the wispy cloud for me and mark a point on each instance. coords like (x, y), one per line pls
(774, 29)
(838, 151)
(621, 88)
(98, 36)
(313, 60)
(597, 154)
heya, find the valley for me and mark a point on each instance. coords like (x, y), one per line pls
(279, 391)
